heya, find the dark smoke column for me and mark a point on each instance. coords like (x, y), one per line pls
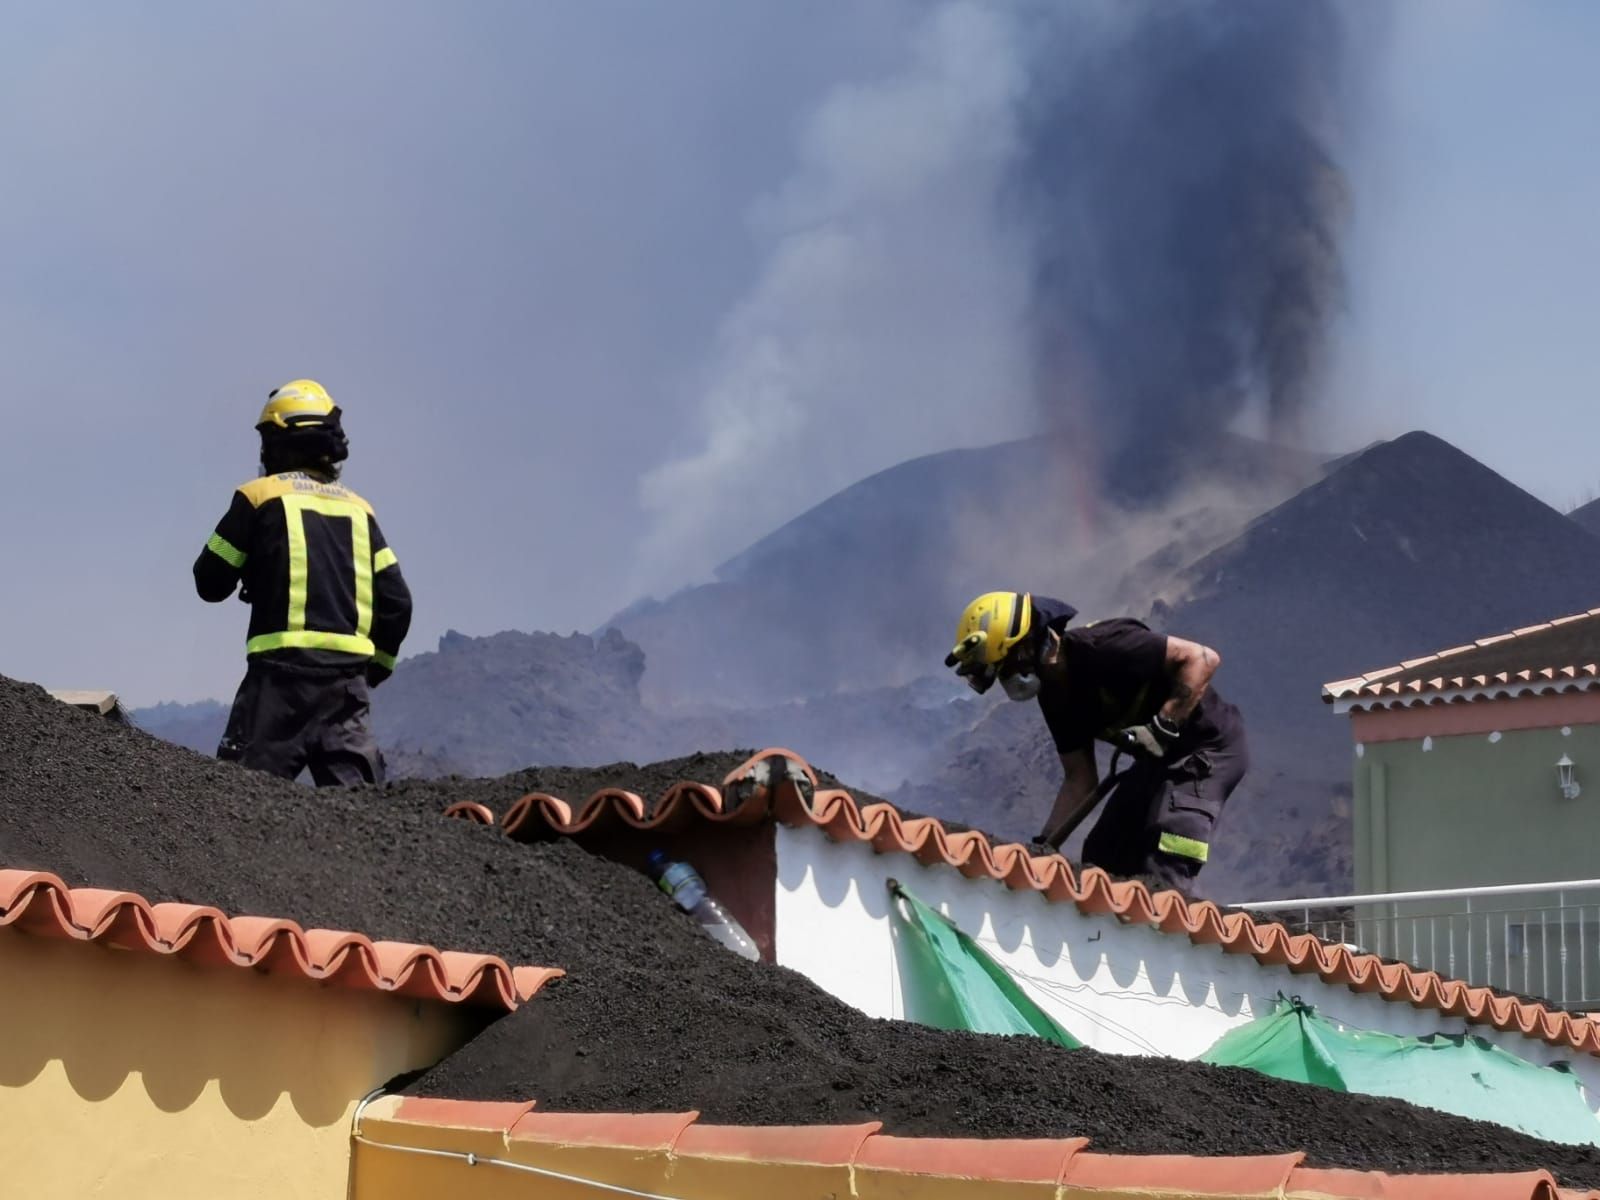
(1184, 212)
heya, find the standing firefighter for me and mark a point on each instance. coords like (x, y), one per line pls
(1146, 694)
(328, 605)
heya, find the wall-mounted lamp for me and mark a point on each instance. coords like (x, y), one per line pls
(1570, 788)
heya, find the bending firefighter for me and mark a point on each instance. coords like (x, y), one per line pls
(1144, 693)
(328, 605)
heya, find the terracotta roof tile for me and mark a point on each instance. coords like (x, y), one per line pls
(1059, 1162)
(1010, 1160)
(39, 903)
(779, 785)
(461, 1114)
(1179, 1174)
(636, 1131)
(1309, 1183)
(1564, 646)
(820, 1145)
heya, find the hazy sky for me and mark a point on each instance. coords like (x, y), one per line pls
(609, 289)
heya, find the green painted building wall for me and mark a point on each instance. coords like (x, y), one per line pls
(1473, 811)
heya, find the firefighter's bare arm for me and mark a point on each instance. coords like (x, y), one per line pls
(1191, 666)
(1080, 776)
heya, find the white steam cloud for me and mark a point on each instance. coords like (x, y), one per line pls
(886, 320)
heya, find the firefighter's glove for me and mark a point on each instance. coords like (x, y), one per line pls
(376, 674)
(1151, 739)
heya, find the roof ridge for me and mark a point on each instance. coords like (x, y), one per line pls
(772, 785)
(40, 903)
(1068, 1162)
(1339, 688)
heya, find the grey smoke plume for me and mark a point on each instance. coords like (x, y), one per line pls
(1177, 176)
(886, 320)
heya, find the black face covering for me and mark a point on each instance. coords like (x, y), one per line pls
(301, 452)
(316, 447)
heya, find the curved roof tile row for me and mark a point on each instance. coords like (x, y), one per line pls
(40, 903)
(779, 785)
(1549, 681)
(1562, 652)
(1065, 1163)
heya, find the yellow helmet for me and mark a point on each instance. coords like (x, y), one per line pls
(297, 404)
(991, 625)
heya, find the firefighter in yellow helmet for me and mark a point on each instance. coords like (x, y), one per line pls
(1144, 693)
(328, 605)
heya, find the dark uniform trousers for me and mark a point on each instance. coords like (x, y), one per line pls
(288, 717)
(1159, 820)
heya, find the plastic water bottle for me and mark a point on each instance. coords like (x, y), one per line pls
(688, 891)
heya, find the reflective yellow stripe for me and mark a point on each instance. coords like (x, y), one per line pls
(1183, 847)
(294, 519)
(361, 546)
(384, 558)
(310, 639)
(294, 510)
(386, 661)
(226, 551)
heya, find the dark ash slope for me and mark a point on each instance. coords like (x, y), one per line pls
(653, 1016)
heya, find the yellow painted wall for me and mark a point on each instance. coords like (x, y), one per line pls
(131, 1075)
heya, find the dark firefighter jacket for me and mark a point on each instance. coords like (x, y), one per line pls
(320, 579)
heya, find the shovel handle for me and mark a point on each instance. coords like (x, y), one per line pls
(1113, 777)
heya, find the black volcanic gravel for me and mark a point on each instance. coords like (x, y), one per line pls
(653, 1017)
(572, 784)
(648, 781)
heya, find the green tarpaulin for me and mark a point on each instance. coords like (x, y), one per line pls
(951, 983)
(1456, 1073)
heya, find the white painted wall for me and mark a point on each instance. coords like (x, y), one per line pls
(1121, 988)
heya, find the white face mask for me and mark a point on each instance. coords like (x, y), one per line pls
(1021, 686)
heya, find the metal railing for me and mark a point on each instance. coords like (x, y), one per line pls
(1532, 939)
